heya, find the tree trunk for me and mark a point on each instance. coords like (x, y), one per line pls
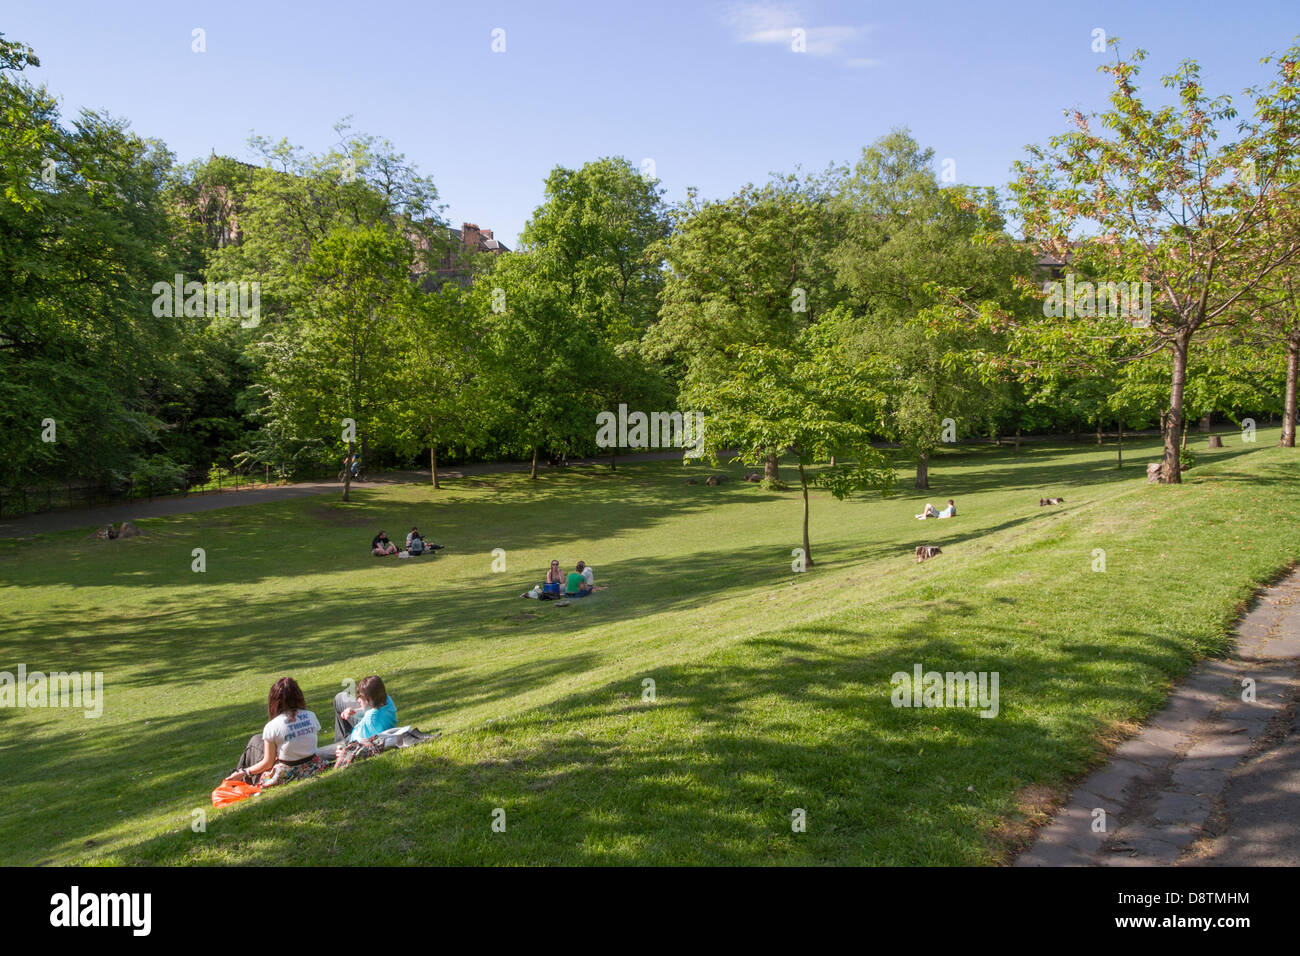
(772, 467)
(1289, 408)
(922, 471)
(1017, 451)
(533, 474)
(1119, 451)
(613, 454)
(807, 547)
(1171, 471)
(1099, 431)
(433, 464)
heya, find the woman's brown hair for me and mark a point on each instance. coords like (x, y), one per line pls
(285, 695)
(373, 690)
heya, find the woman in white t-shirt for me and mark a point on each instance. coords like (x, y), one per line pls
(286, 748)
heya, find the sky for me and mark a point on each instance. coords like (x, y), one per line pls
(488, 97)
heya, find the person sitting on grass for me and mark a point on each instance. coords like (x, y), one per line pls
(381, 546)
(371, 712)
(554, 579)
(415, 542)
(577, 585)
(285, 750)
(589, 576)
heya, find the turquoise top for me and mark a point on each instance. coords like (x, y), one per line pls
(376, 720)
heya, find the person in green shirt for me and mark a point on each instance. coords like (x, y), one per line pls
(576, 585)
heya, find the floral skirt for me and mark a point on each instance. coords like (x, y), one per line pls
(286, 772)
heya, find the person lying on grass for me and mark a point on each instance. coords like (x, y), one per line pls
(948, 512)
(371, 712)
(381, 546)
(286, 748)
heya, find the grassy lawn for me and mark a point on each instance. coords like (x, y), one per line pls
(772, 689)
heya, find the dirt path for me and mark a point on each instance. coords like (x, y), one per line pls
(1214, 779)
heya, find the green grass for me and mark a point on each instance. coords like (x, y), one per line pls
(772, 688)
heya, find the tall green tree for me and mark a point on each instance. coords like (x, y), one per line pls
(752, 269)
(1167, 203)
(805, 398)
(337, 375)
(909, 245)
(84, 235)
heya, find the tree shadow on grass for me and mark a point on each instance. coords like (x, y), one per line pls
(256, 543)
(191, 643)
(711, 771)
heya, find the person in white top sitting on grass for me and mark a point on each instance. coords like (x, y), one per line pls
(948, 512)
(286, 748)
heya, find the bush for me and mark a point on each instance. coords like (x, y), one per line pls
(158, 475)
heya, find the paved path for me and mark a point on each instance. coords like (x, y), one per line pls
(1214, 779)
(88, 518)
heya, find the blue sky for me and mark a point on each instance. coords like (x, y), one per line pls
(712, 93)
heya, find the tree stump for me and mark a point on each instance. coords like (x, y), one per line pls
(1153, 473)
(1216, 441)
(926, 551)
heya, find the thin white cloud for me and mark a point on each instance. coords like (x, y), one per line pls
(774, 23)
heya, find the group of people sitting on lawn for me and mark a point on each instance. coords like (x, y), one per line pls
(287, 749)
(416, 545)
(948, 512)
(578, 583)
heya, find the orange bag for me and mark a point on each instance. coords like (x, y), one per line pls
(232, 791)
